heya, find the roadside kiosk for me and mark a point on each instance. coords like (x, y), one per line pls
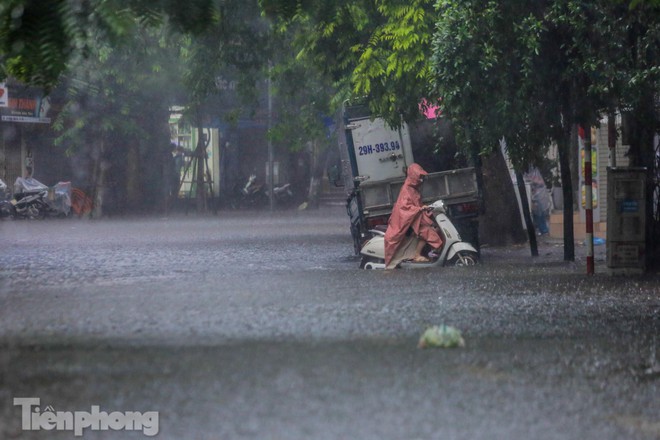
(626, 220)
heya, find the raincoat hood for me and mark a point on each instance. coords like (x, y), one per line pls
(415, 174)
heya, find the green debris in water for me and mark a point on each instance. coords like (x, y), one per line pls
(441, 336)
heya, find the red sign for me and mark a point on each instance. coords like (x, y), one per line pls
(4, 95)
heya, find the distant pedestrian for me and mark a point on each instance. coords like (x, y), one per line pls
(540, 200)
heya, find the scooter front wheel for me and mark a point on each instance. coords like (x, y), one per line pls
(464, 258)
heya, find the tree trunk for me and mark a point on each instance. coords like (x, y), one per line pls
(98, 181)
(133, 182)
(564, 146)
(531, 231)
(200, 157)
(315, 176)
(574, 159)
(500, 224)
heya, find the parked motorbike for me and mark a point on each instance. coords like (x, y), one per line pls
(256, 195)
(454, 251)
(250, 195)
(34, 200)
(282, 196)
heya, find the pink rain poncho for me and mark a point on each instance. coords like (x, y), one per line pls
(408, 214)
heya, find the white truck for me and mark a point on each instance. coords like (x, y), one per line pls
(374, 159)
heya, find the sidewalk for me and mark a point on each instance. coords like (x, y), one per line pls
(551, 254)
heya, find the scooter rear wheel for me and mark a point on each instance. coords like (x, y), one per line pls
(366, 260)
(464, 258)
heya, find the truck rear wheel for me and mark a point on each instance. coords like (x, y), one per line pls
(357, 244)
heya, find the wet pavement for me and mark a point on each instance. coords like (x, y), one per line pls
(261, 326)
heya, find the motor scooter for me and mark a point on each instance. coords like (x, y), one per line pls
(31, 204)
(250, 195)
(282, 195)
(34, 200)
(454, 251)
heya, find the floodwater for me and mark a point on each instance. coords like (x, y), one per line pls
(251, 325)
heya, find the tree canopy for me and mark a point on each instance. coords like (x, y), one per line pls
(378, 49)
(38, 37)
(529, 71)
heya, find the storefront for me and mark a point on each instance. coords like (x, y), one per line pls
(601, 158)
(26, 138)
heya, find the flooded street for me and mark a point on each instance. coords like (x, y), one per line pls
(261, 326)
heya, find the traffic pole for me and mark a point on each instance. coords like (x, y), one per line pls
(589, 202)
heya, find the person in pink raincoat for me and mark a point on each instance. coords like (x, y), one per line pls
(409, 214)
